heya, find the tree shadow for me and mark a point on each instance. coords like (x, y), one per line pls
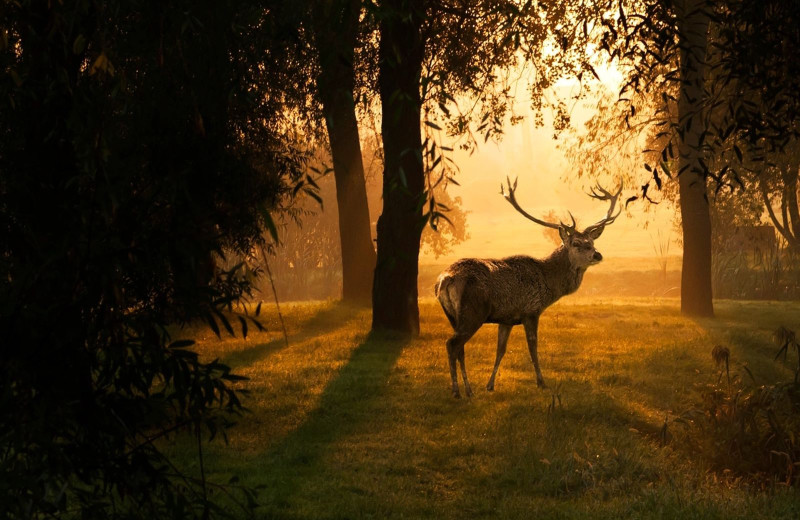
(338, 315)
(560, 462)
(348, 403)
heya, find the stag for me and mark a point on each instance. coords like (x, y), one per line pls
(516, 290)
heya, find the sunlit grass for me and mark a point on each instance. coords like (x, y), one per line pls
(342, 426)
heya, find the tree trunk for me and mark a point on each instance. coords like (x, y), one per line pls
(336, 29)
(696, 295)
(786, 185)
(394, 294)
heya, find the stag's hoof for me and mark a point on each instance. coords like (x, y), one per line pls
(541, 384)
(490, 387)
(456, 394)
(468, 391)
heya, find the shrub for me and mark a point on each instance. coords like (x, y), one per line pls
(749, 430)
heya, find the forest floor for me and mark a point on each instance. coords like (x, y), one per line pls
(345, 426)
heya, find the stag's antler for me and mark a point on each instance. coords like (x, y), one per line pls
(511, 198)
(600, 193)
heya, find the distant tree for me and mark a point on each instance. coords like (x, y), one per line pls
(306, 264)
(138, 140)
(450, 232)
(338, 34)
(779, 185)
(552, 235)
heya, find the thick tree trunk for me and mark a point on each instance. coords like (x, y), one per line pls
(336, 36)
(696, 295)
(394, 294)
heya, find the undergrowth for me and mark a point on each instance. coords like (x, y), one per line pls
(746, 430)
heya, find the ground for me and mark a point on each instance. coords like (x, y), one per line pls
(342, 426)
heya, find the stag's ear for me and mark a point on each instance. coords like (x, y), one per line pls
(596, 232)
(564, 233)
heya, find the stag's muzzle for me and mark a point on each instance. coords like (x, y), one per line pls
(597, 257)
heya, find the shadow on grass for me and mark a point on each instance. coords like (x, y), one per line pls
(335, 316)
(349, 402)
(575, 452)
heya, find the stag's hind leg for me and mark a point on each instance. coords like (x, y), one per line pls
(503, 332)
(467, 387)
(452, 354)
(455, 351)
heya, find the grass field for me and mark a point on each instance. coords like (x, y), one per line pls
(342, 426)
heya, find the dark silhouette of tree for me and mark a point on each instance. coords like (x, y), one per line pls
(400, 225)
(139, 140)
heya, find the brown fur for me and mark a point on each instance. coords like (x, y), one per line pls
(509, 291)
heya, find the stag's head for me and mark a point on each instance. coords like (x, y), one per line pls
(578, 244)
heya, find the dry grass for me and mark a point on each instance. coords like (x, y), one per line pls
(342, 426)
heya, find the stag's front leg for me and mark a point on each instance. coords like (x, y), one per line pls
(531, 324)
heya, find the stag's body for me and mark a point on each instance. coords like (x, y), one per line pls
(513, 291)
(505, 291)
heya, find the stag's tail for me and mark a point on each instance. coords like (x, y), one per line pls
(448, 291)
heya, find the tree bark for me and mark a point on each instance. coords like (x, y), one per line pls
(394, 294)
(696, 293)
(336, 28)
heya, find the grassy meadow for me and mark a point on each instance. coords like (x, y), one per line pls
(345, 426)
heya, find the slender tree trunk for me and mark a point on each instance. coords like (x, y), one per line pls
(790, 181)
(394, 294)
(789, 224)
(696, 294)
(336, 29)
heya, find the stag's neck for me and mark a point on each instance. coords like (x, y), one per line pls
(564, 277)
